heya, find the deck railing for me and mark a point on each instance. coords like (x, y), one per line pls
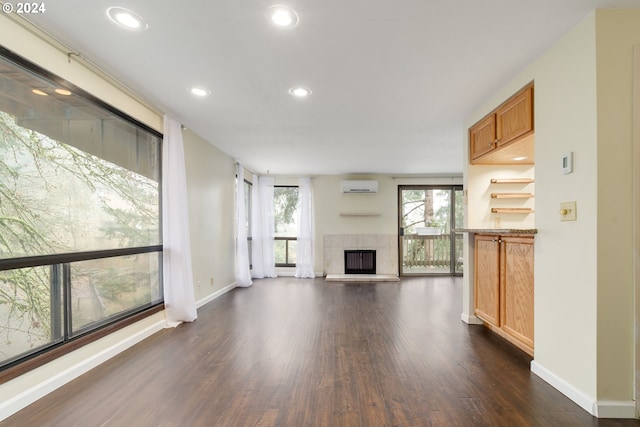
(430, 250)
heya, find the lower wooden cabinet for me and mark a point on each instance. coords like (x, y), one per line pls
(487, 280)
(504, 286)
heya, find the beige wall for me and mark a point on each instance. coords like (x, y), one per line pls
(636, 213)
(330, 202)
(616, 33)
(584, 316)
(211, 186)
(566, 253)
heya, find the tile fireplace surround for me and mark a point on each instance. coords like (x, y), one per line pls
(385, 245)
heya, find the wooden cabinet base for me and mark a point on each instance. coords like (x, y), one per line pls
(501, 333)
(504, 287)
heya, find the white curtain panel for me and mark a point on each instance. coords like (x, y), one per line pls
(243, 272)
(304, 261)
(257, 270)
(263, 228)
(179, 299)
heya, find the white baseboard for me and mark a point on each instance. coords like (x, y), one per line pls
(615, 409)
(291, 272)
(600, 409)
(471, 320)
(581, 399)
(25, 398)
(215, 295)
(286, 273)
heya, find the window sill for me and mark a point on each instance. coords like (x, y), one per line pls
(51, 353)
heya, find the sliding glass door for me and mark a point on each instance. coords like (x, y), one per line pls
(427, 218)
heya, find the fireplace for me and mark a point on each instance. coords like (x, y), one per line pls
(361, 261)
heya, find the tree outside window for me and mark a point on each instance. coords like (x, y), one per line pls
(80, 202)
(285, 204)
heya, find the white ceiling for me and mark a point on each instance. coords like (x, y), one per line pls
(392, 81)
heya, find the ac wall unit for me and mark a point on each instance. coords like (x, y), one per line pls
(360, 187)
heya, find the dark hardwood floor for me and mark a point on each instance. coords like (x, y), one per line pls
(290, 352)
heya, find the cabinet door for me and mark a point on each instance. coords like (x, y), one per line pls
(487, 278)
(516, 288)
(514, 119)
(482, 137)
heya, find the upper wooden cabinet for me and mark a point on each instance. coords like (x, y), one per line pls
(482, 136)
(514, 118)
(506, 133)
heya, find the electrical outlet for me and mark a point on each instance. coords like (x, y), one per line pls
(568, 211)
(497, 222)
(211, 281)
(198, 283)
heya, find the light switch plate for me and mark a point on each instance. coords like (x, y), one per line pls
(568, 211)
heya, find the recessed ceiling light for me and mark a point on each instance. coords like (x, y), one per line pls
(282, 16)
(300, 92)
(127, 19)
(199, 91)
(39, 92)
(63, 92)
(517, 159)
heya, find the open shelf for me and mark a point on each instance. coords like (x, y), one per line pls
(511, 195)
(512, 210)
(359, 213)
(512, 180)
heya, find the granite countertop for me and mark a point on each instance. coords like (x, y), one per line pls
(498, 230)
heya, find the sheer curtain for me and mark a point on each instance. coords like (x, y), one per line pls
(243, 272)
(257, 270)
(179, 299)
(262, 228)
(304, 260)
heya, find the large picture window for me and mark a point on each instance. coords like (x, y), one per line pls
(80, 236)
(285, 205)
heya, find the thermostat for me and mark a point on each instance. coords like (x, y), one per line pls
(567, 162)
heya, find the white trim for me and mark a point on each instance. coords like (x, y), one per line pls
(27, 397)
(615, 409)
(291, 272)
(584, 401)
(470, 319)
(636, 216)
(285, 271)
(215, 295)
